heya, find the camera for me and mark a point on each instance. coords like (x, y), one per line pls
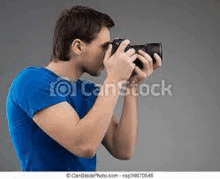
(149, 48)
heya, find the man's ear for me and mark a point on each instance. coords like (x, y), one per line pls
(77, 47)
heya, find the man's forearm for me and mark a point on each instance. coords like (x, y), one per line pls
(95, 123)
(126, 131)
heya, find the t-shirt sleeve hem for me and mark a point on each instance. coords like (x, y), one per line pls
(45, 105)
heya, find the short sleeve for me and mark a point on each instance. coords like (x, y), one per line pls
(32, 91)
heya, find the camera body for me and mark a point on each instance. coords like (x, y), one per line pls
(149, 48)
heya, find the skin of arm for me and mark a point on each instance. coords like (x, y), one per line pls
(125, 134)
(95, 124)
(121, 136)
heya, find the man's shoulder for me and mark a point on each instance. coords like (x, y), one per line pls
(28, 73)
(29, 78)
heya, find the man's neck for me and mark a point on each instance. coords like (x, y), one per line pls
(65, 69)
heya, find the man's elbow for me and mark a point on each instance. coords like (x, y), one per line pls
(90, 153)
(83, 152)
(123, 157)
(122, 154)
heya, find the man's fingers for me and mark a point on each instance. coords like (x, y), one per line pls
(146, 55)
(130, 52)
(147, 62)
(147, 65)
(140, 72)
(158, 61)
(133, 58)
(123, 45)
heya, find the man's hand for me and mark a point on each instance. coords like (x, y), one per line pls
(148, 68)
(120, 65)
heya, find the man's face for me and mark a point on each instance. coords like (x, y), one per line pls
(95, 53)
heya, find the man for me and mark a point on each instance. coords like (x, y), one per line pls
(54, 129)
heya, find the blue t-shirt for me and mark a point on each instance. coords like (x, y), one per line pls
(33, 89)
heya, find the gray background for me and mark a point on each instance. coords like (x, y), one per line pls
(176, 133)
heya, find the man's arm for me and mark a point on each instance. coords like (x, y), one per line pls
(107, 141)
(121, 136)
(80, 136)
(121, 142)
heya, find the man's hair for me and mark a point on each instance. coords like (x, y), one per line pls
(79, 22)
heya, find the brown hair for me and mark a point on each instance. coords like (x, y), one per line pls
(79, 22)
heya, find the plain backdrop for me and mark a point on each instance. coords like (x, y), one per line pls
(178, 132)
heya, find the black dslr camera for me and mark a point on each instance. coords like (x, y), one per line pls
(149, 48)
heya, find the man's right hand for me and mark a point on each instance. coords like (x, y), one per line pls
(120, 65)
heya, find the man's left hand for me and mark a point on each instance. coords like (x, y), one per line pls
(148, 67)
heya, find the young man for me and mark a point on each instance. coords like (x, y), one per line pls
(55, 120)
